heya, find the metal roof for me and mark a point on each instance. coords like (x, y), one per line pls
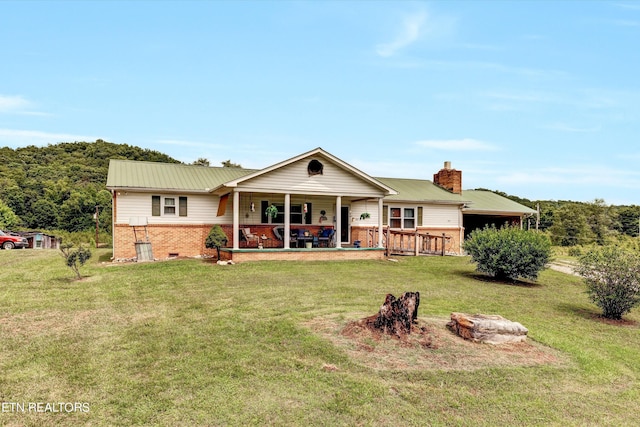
(419, 190)
(129, 174)
(487, 202)
(169, 176)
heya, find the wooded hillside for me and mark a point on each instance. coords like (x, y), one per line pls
(58, 187)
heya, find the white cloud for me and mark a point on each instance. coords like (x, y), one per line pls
(409, 33)
(12, 103)
(465, 144)
(20, 138)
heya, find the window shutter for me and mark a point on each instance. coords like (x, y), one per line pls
(263, 208)
(308, 217)
(155, 205)
(385, 215)
(419, 216)
(182, 206)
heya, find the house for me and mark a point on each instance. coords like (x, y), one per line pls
(172, 207)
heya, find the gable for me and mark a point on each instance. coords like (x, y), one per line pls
(295, 178)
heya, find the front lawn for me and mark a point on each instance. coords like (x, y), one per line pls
(188, 342)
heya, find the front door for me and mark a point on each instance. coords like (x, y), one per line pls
(344, 224)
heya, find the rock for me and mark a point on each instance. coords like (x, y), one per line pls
(490, 329)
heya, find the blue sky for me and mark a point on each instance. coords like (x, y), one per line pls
(539, 99)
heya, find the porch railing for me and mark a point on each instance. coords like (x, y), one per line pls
(415, 243)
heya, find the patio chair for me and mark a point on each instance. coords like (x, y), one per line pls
(249, 237)
(326, 237)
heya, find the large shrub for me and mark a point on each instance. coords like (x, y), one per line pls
(612, 275)
(508, 253)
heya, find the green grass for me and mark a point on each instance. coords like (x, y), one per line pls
(191, 343)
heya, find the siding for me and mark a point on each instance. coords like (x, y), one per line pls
(441, 216)
(201, 209)
(294, 179)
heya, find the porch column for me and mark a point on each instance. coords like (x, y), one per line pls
(287, 221)
(380, 214)
(236, 220)
(338, 222)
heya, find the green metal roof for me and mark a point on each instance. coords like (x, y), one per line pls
(169, 176)
(419, 190)
(125, 174)
(482, 201)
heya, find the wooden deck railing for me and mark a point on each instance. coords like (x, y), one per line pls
(409, 242)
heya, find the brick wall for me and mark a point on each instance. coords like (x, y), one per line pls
(449, 179)
(186, 240)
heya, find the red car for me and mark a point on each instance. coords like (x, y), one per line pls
(8, 241)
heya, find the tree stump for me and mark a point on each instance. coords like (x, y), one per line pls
(396, 315)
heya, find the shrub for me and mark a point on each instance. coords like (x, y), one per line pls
(75, 258)
(216, 239)
(612, 275)
(509, 253)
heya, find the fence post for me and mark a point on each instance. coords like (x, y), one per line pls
(443, 243)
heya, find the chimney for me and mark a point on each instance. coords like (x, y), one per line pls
(449, 179)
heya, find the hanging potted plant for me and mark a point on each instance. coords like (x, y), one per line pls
(365, 215)
(271, 212)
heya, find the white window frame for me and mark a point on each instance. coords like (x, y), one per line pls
(403, 219)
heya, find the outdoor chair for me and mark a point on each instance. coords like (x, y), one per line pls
(326, 237)
(249, 237)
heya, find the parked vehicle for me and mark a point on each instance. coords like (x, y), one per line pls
(8, 241)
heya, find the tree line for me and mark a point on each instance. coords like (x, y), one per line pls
(570, 223)
(58, 186)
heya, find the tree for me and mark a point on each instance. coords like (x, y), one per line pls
(570, 226)
(8, 219)
(509, 252)
(75, 258)
(228, 164)
(201, 162)
(216, 239)
(628, 220)
(599, 218)
(612, 276)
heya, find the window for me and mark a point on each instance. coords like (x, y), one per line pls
(296, 214)
(402, 218)
(167, 206)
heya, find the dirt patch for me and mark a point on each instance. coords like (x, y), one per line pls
(429, 346)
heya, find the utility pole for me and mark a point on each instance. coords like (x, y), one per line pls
(97, 227)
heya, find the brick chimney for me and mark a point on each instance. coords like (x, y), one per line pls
(449, 179)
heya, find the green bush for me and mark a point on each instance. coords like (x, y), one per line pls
(612, 275)
(509, 253)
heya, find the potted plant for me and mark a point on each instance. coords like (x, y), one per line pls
(271, 212)
(365, 215)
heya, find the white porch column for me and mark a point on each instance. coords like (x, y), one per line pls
(287, 221)
(236, 220)
(380, 214)
(338, 222)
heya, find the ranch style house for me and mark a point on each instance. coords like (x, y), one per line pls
(311, 206)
